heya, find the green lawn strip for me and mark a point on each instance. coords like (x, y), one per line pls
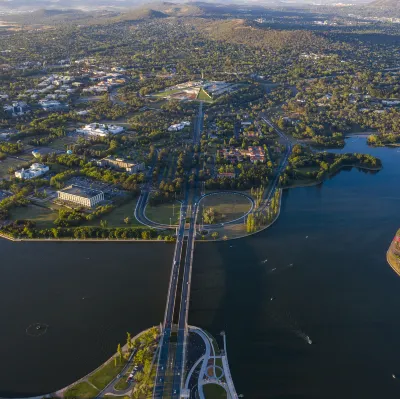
(214, 391)
(116, 217)
(218, 362)
(121, 385)
(228, 206)
(44, 217)
(163, 212)
(106, 374)
(83, 390)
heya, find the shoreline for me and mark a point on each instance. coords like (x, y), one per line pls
(59, 394)
(315, 183)
(390, 263)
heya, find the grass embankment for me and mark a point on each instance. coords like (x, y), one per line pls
(106, 374)
(164, 212)
(83, 390)
(204, 96)
(116, 217)
(43, 217)
(228, 206)
(393, 254)
(214, 391)
(122, 384)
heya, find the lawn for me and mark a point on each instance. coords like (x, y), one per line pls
(204, 96)
(83, 390)
(164, 212)
(12, 163)
(228, 206)
(166, 93)
(214, 391)
(121, 385)
(44, 217)
(117, 216)
(106, 374)
(62, 142)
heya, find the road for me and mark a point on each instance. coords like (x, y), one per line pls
(169, 309)
(180, 354)
(166, 353)
(284, 161)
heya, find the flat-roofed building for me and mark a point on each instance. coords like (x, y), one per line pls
(102, 130)
(35, 170)
(87, 197)
(120, 163)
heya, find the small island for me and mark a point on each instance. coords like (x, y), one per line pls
(393, 253)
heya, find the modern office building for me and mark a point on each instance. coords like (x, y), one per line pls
(81, 195)
(120, 163)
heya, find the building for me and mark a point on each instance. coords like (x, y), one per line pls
(232, 155)
(120, 163)
(96, 129)
(179, 126)
(256, 154)
(52, 105)
(35, 170)
(229, 175)
(17, 108)
(81, 195)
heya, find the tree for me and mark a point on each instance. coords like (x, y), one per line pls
(103, 224)
(215, 235)
(128, 340)
(119, 351)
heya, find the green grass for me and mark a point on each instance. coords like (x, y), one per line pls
(12, 163)
(106, 374)
(162, 213)
(43, 217)
(83, 390)
(214, 391)
(167, 93)
(121, 385)
(204, 96)
(117, 216)
(229, 206)
(60, 143)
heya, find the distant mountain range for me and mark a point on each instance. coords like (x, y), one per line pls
(394, 4)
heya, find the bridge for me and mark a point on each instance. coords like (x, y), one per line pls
(170, 375)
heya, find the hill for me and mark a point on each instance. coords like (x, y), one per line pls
(141, 15)
(54, 16)
(393, 4)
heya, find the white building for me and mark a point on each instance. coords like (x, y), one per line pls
(179, 126)
(96, 129)
(35, 170)
(81, 196)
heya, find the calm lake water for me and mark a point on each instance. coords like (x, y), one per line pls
(339, 291)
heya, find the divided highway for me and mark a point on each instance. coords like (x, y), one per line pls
(169, 309)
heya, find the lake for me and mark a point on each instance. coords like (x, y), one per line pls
(323, 262)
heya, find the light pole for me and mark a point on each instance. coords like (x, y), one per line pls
(170, 223)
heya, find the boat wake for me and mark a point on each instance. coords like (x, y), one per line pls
(303, 336)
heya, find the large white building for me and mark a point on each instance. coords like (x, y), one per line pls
(36, 170)
(96, 129)
(81, 195)
(179, 126)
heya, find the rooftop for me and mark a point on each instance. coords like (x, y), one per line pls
(81, 191)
